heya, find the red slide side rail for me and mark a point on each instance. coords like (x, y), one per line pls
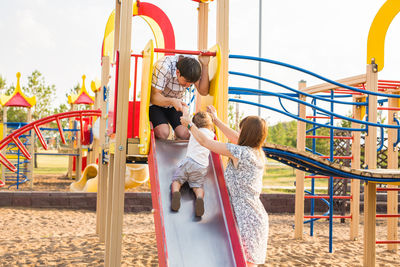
(14, 136)
(230, 218)
(156, 201)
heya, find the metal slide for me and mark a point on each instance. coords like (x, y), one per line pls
(183, 239)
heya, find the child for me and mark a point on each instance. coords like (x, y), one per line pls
(193, 168)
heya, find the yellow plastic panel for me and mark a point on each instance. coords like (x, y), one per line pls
(144, 122)
(377, 32)
(108, 42)
(214, 97)
(363, 108)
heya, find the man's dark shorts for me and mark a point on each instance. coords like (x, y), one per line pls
(160, 115)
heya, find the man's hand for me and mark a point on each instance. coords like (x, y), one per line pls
(204, 60)
(179, 104)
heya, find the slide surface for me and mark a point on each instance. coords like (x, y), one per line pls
(188, 240)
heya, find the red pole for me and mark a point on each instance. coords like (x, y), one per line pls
(184, 52)
(134, 95)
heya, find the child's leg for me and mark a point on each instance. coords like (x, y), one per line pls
(175, 196)
(175, 186)
(199, 202)
(198, 191)
(178, 180)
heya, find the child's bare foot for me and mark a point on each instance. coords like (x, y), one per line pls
(176, 201)
(199, 207)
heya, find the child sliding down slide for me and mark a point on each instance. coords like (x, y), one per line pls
(193, 168)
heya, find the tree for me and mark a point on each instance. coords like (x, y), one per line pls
(283, 133)
(234, 116)
(2, 83)
(44, 95)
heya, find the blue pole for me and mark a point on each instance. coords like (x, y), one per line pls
(314, 144)
(331, 178)
(18, 160)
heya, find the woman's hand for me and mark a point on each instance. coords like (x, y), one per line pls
(213, 112)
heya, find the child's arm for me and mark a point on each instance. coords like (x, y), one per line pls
(202, 139)
(231, 134)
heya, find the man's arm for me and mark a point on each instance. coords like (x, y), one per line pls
(158, 99)
(203, 85)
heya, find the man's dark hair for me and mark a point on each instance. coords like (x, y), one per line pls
(189, 68)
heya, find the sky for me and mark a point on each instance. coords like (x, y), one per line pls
(62, 39)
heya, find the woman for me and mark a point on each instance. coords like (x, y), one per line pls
(243, 177)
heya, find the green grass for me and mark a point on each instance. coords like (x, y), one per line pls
(281, 179)
(277, 178)
(48, 164)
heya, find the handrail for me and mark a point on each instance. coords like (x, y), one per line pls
(296, 117)
(312, 74)
(294, 90)
(184, 52)
(316, 107)
(330, 170)
(13, 137)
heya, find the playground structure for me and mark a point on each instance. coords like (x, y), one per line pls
(23, 165)
(118, 148)
(136, 175)
(17, 157)
(76, 160)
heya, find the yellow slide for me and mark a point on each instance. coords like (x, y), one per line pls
(135, 175)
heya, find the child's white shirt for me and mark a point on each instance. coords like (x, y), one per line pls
(197, 152)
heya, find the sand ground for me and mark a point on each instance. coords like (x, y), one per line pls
(48, 237)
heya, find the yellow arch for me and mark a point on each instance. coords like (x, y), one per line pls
(108, 42)
(377, 32)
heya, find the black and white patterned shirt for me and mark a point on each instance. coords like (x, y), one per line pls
(165, 79)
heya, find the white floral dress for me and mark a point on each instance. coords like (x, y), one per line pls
(244, 185)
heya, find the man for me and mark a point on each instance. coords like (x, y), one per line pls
(171, 76)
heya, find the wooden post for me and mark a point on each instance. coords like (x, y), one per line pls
(202, 38)
(301, 146)
(71, 146)
(98, 102)
(355, 164)
(223, 41)
(108, 259)
(393, 163)
(370, 155)
(79, 158)
(118, 190)
(103, 168)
